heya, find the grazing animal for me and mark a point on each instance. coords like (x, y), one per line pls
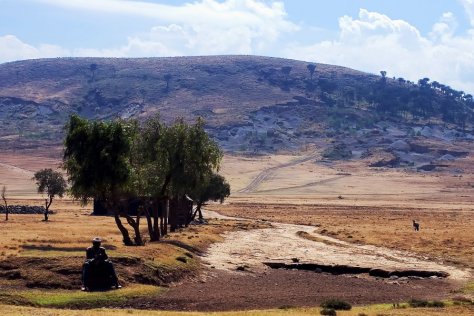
(416, 225)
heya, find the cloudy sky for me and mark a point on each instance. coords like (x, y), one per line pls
(407, 38)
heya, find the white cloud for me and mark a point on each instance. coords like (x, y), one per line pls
(203, 27)
(13, 48)
(469, 8)
(374, 42)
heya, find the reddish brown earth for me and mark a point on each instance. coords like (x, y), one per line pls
(221, 290)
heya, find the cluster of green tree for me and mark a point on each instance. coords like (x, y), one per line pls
(151, 162)
(422, 100)
(399, 98)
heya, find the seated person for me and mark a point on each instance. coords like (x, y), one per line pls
(96, 257)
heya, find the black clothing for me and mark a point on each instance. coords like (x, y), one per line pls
(96, 253)
(97, 259)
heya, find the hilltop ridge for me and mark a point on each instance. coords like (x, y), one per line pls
(251, 104)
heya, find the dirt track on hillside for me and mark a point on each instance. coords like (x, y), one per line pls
(262, 176)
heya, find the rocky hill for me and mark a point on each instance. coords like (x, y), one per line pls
(251, 104)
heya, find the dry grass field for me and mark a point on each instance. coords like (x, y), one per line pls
(375, 310)
(370, 206)
(344, 200)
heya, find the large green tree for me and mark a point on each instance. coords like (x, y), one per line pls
(96, 158)
(173, 160)
(149, 162)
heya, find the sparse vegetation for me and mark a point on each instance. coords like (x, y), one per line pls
(328, 311)
(337, 152)
(356, 98)
(425, 303)
(336, 304)
(311, 68)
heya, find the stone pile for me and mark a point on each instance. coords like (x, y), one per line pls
(23, 209)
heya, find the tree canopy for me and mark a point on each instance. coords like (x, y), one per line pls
(214, 188)
(51, 183)
(147, 161)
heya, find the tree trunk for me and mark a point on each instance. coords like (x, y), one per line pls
(136, 227)
(162, 226)
(149, 224)
(126, 236)
(165, 216)
(6, 211)
(198, 211)
(156, 225)
(46, 210)
(113, 205)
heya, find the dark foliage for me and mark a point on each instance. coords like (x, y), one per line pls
(336, 304)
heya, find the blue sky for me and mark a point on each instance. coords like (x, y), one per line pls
(410, 39)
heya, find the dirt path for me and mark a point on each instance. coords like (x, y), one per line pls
(19, 170)
(222, 287)
(283, 242)
(262, 176)
(311, 184)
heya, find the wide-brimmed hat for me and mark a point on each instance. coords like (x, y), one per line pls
(97, 240)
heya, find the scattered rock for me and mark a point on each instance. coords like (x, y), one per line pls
(426, 168)
(400, 145)
(384, 162)
(447, 157)
(426, 131)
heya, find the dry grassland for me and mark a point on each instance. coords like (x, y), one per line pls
(349, 201)
(344, 200)
(385, 310)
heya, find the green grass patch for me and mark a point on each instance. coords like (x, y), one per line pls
(50, 254)
(80, 299)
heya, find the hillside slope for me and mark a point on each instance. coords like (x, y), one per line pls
(251, 104)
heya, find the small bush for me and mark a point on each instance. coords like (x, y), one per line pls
(362, 314)
(425, 303)
(337, 152)
(286, 307)
(418, 303)
(459, 300)
(437, 304)
(336, 304)
(328, 311)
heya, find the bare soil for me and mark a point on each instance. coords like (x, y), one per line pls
(224, 290)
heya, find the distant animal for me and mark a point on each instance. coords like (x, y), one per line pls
(416, 225)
